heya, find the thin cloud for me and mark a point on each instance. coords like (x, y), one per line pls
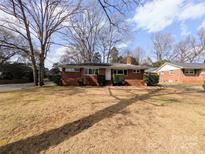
(184, 29)
(202, 25)
(156, 15)
(54, 57)
(123, 45)
(192, 11)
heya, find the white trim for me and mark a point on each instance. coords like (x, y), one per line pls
(72, 70)
(108, 74)
(167, 63)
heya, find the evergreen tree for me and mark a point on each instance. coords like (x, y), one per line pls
(114, 55)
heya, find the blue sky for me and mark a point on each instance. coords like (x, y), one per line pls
(179, 17)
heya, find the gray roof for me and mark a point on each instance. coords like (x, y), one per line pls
(113, 65)
(151, 70)
(190, 65)
(88, 64)
(127, 66)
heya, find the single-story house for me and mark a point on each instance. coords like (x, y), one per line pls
(182, 72)
(72, 73)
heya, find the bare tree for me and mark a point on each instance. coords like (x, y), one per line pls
(191, 49)
(111, 7)
(182, 51)
(5, 55)
(138, 55)
(83, 32)
(110, 37)
(37, 22)
(147, 61)
(5, 52)
(162, 44)
(71, 56)
(90, 33)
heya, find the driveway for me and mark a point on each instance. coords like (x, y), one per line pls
(11, 87)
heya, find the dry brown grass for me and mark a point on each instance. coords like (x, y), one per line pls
(103, 120)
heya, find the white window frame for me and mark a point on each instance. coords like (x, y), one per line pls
(189, 71)
(117, 70)
(72, 69)
(136, 71)
(87, 72)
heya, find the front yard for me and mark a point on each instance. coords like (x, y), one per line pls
(103, 120)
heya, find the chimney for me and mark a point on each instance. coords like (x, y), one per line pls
(129, 59)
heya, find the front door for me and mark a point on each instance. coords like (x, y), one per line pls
(108, 74)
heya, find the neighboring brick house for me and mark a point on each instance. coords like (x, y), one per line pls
(182, 72)
(72, 73)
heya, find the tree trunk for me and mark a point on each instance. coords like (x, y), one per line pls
(35, 72)
(41, 71)
(35, 76)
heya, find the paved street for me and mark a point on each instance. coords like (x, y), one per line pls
(11, 87)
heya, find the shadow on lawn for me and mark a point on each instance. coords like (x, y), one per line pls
(38, 143)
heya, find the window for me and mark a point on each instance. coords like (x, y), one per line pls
(72, 70)
(125, 72)
(189, 71)
(120, 72)
(91, 71)
(136, 71)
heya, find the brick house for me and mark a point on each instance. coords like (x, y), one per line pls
(182, 73)
(72, 73)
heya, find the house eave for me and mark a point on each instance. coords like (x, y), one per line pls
(167, 63)
(111, 66)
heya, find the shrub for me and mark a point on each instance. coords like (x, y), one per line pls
(204, 85)
(81, 82)
(118, 79)
(101, 80)
(151, 79)
(16, 71)
(55, 75)
(55, 78)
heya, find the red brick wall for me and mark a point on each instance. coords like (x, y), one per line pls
(178, 76)
(92, 79)
(135, 79)
(71, 78)
(198, 77)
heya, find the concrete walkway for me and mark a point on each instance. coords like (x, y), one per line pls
(11, 87)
